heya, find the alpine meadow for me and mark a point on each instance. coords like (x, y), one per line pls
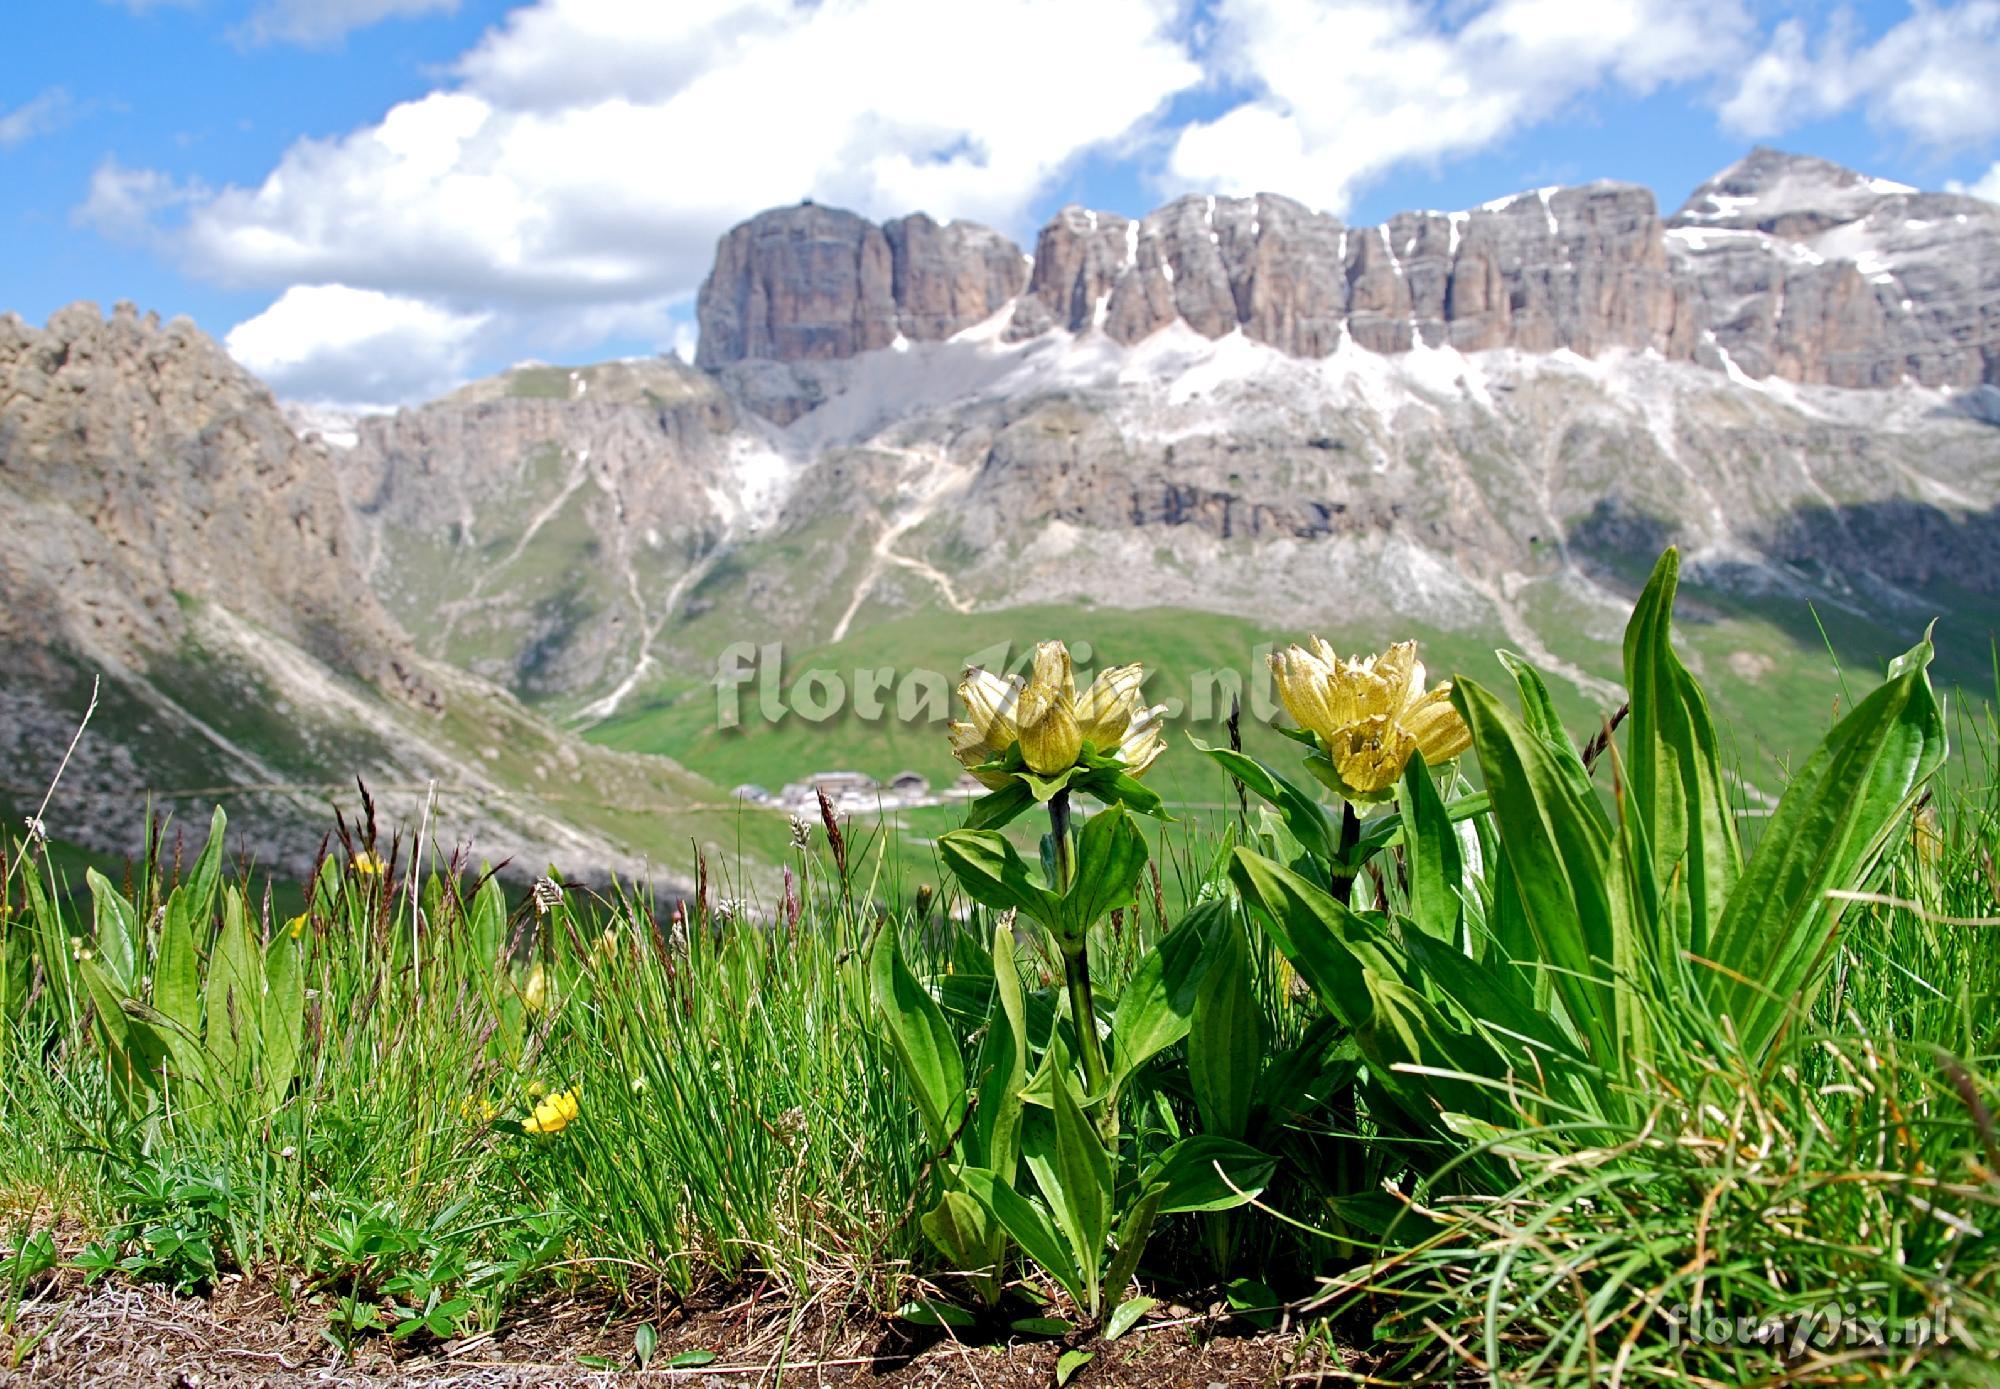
(982, 785)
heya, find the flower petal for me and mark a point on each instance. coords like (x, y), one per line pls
(1105, 710)
(990, 703)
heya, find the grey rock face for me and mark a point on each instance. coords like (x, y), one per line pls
(1814, 273)
(138, 463)
(1780, 265)
(811, 283)
(530, 527)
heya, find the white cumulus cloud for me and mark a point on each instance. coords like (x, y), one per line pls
(593, 152)
(1339, 93)
(337, 345)
(1929, 77)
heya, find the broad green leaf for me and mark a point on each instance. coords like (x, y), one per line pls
(997, 808)
(284, 1014)
(1110, 856)
(1029, 1225)
(1538, 710)
(930, 1311)
(993, 875)
(206, 875)
(120, 942)
(177, 983)
(1327, 944)
(1406, 1031)
(1305, 1075)
(1157, 1003)
(961, 1229)
(1002, 1067)
(1134, 1230)
(1210, 1173)
(1673, 766)
(1557, 842)
(1081, 1170)
(1831, 827)
(1126, 1315)
(921, 1038)
(1069, 1362)
(233, 995)
(1226, 1041)
(1121, 788)
(1431, 849)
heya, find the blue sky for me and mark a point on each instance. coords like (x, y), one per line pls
(371, 199)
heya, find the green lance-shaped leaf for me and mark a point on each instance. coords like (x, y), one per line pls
(1156, 1006)
(962, 1230)
(1029, 1226)
(205, 877)
(1327, 944)
(1077, 1182)
(1001, 1072)
(1557, 842)
(233, 995)
(1437, 866)
(284, 1015)
(120, 940)
(922, 1039)
(1538, 711)
(1135, 1228)
(1836, 818)
(1110, 856)
(177, 983)
(1673, 765)
(1226, 1042)
(1208, 1172)
(993, 875)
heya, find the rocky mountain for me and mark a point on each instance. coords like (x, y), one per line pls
(1231, 419)
(1465, 419)
(1781, 265)
(164, 530)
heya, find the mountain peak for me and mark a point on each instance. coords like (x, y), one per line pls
(1790, 195)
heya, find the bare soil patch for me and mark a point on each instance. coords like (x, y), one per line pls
(241, 1337)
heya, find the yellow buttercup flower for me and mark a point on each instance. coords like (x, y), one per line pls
(553, 1114)
(1050, 721)
(368, 864)
(1369, 714)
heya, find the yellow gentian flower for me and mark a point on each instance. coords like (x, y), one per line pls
(1368, 714)
(1051, 721)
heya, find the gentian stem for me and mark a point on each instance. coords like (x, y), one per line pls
(1340, 877)
(1076, 964)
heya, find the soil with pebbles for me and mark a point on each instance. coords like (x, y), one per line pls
(241, 1336)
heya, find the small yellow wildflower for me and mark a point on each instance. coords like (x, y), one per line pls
(296, 926)
(478, 1111)
(553, 1114)
(535, 993)
(368, 864)
(1369, 714)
